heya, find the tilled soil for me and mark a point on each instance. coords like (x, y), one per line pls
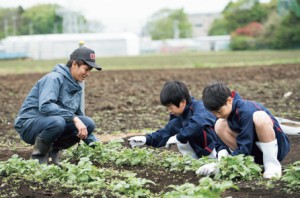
(127, 101)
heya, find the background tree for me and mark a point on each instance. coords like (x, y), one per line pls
(219, 27)
(41, 19)
(10, 21)
(243, 12)
(44, 19)
(166, 24)
(287, 36)
(239, 14)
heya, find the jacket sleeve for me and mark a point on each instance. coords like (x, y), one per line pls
(49, 89)
(192, 129)
(79, 111)
(245, 138)
(196, 123)
(161, 136)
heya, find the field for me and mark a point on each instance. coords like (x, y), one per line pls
(126, 102)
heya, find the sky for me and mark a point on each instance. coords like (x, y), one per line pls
(125, 15)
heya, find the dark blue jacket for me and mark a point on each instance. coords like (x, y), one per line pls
(195, 125)
(240, 120)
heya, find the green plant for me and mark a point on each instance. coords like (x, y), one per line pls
(238, 167)
(130, 186)
(207, 188)
(292, 177)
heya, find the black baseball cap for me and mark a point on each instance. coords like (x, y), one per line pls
(87, 55)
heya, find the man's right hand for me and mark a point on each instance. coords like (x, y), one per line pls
(137, 141)
(82, 130)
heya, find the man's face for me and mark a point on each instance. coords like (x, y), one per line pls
(79, 73)
(177, 111)
(225, 110)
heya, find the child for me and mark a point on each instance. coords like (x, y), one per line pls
(245, 127)
(190, 125)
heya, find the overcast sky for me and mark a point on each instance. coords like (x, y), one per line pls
(125, 15)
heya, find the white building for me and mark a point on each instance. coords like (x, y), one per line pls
(167, 46)
(202, 22)
(56, 46)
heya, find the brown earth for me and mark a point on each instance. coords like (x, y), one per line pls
(128, 101)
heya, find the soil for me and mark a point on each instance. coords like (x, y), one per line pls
(123, 103)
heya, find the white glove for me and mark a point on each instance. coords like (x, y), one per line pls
(222, 153)
(172, 140)
(137, 141)
(207, 169)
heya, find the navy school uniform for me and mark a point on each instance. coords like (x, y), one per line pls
(195, 125)
(240, 120)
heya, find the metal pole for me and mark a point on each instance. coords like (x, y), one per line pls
(82, 105)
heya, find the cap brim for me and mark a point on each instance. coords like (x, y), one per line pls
(92, 64)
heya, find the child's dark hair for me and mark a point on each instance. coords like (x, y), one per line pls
(173, 92)
(78, 62)
(215, 96)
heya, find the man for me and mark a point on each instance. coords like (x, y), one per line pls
(50, 116)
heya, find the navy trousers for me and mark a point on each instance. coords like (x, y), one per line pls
(53, 128)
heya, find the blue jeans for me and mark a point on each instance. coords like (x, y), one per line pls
(51, 128)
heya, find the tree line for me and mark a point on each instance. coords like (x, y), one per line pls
(44, 19)
(251, 24)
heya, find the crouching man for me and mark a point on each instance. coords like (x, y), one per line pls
(50, 117)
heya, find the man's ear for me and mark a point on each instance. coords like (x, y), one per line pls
(74, 64)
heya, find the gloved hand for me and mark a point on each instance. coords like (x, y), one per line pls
(222, 153)
(137, 141)
(207, 169)
(172, 140)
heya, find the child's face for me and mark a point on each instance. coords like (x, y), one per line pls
(177, 111)
(225, 110)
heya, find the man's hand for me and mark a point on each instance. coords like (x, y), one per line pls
(172, 140)
(207, 169)
(82, 130)
(137, 141)
(222, 153)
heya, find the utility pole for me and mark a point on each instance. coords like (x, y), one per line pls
(5, 27)
(14, 19)
(30, 27)
(82, 105)
(176, 29)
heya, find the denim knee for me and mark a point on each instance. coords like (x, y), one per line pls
(53, 129)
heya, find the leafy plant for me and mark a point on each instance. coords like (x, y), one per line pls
(84, 179)
(292, 177)
(238, 167)
(177, 162)
(17, 166)
(130, 186)
(207, 188)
